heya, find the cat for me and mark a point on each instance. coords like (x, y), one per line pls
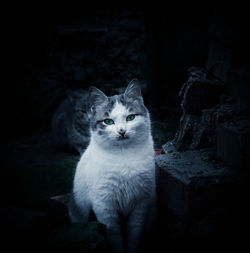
(70, 124)
(115, 176)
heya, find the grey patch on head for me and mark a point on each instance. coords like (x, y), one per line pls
(101, 126)
(101, 113)
(100, 132)
(122, 99)
(137, 108)
(134, 105)
(130, 109)
(111, 103)
(97, 124)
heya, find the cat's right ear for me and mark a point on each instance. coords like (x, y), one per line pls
(96, 97)
(133, 91)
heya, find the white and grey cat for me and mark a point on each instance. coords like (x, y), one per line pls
(115, 176)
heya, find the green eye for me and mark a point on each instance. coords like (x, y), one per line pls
(130, 117)
(109, 121)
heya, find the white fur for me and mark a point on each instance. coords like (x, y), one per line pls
(117, 180)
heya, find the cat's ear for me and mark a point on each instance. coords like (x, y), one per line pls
(133, 91)
(96, 97)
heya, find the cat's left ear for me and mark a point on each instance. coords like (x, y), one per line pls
(133, 91)
(96, 98)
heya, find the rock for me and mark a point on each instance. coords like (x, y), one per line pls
(189, 130)
(158, 151)
(219, 223)
(31, 231)
(19, 220)
(202, 90)
(238, 85)
(233, 142)
(192, 184)
(169, 147)
(70, 125)
(197, 132)
(77, 237)
(63, 199)
(194, 132)
(57, 209)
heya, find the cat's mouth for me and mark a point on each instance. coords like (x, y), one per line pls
(122, 138)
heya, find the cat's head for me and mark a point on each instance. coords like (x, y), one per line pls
(119, 120)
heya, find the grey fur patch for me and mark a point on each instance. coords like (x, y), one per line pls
(136, 107)
(97, 124)
(102, 126)
(100, 132)
(122, 99)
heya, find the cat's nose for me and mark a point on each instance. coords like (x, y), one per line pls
(122, 132)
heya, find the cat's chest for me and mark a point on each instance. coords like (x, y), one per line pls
(123, 169)
(123, 189)
(124, 173)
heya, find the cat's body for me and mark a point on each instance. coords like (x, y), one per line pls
(70, 122)
(115, 176)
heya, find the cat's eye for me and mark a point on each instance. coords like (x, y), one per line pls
(130, 117)
(109, 121)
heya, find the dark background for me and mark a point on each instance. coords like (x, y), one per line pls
(49, 52)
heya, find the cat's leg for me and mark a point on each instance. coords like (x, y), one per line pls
(135, 228)
(79, 213)
(110, 219)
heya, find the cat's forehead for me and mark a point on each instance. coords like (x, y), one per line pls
(119, 109)
(118, 105)
(114, 100)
